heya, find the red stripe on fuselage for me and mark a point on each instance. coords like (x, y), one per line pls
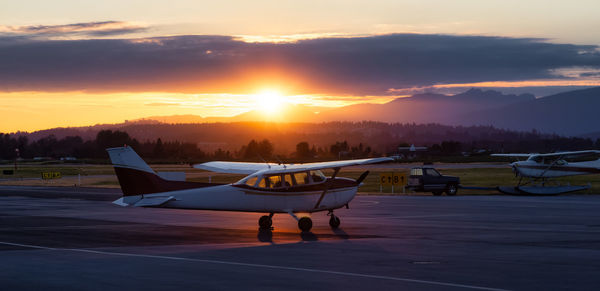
(136, 182)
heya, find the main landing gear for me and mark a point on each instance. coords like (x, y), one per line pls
(266, 221)
(304, 223)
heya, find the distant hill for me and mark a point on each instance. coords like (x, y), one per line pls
(425, 108)
(420, 108)
(569, 113)
(288, 113)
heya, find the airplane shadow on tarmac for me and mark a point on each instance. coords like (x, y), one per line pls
(267, 235)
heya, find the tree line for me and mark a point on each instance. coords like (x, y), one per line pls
(13, 146)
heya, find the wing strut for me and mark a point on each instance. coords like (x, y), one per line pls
(335, 172)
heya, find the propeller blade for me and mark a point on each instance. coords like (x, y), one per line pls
(362, 177)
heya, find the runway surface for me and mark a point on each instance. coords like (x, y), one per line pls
(55, 238)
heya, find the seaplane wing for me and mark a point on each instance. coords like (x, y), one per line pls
(249, 168)
(570, 154)
(550, 155)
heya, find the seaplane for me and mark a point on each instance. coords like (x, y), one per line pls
(539, 170)
(267, 188)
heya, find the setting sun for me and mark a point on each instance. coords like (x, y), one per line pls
(269, 101)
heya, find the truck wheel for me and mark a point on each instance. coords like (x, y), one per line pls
(451, 189)
(437, 193)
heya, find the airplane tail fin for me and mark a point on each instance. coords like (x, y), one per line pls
(137, 178)
(134, 175)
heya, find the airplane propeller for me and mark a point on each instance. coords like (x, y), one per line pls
(362, 177)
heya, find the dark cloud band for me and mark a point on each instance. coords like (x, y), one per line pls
(361, 65)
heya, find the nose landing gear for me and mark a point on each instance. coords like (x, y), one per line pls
(334, 221)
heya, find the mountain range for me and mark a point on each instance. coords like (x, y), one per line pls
(571, 113)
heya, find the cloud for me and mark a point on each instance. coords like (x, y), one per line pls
(103, 28)
(335, 65)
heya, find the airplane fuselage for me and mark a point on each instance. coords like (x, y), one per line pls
(234, 197)
(532, 169)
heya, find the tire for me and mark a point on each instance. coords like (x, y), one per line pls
(334, 222)
(437, 193)
(265, 222)
(451, 189)
(305, 223)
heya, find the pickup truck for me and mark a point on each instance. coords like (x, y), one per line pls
(427, 179)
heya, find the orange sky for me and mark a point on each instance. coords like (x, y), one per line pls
(70, 63)
(30, 111)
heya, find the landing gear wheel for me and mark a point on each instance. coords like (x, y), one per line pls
(451, 189)
(305, 223)
(334, 222)
(265, 222)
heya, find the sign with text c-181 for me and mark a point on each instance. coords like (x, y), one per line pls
(392, 178)
(51, 175)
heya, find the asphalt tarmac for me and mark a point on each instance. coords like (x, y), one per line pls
(55, 238)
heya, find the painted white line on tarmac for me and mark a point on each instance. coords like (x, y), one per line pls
(350, 274)
(27, 246)
(58, 191)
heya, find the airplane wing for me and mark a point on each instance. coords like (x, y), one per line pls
(249, 168)
(570, 154)
(234, 167)
(556, 155)
(325, 165)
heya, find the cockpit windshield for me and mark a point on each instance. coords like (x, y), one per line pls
(317, 176)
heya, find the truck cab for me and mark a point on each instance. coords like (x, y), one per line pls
(428, 179)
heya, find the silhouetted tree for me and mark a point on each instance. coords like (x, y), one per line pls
(303, 151)
(253, 150)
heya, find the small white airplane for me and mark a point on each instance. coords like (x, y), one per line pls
(541, 167)
(268, 188)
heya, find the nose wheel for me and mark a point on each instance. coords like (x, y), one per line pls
(334, 221)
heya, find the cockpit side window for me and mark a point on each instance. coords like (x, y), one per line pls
(537, 159)
(287, 180)
(275, 181)
(264, 183)
(301, 178)
(561, 162)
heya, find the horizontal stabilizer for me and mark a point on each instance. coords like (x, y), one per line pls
(145, 202)
(153, 201)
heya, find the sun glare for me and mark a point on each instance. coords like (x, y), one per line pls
(269, 101)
